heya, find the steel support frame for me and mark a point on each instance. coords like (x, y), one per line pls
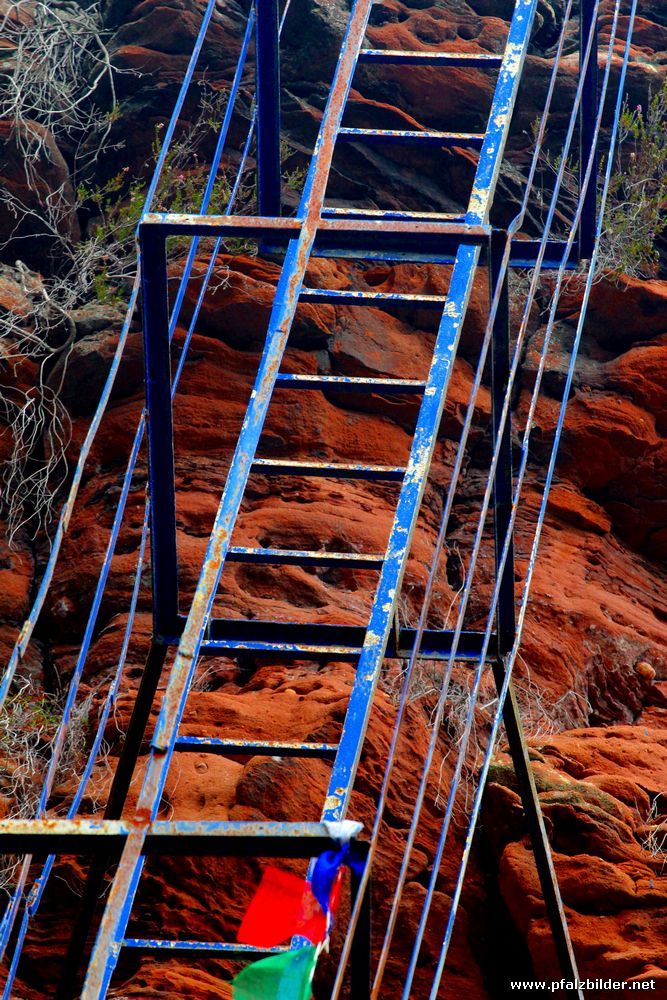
(588, 117)
(153, 234)
(268, 107)
(466, 243)
(503, 490)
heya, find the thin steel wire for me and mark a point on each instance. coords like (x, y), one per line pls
(519, 483)
(59, 739)
(63, 523)
(468, 585)
(396, 733)
(511, 659)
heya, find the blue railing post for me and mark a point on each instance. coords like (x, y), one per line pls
(588, 22)
(502, 484)
(164, 558)
(268, 107)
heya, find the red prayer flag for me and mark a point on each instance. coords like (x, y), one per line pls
(282, 907)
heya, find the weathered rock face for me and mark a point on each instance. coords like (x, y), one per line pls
(28, 190)
(602, 792)
(594, 652)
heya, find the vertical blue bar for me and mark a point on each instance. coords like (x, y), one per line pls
(164, 559)
(502, 483)
(268, 108)
(588, 22)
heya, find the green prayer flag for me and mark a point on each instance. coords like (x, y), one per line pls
(279, 977)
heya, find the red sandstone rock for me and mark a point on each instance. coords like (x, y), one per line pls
(52, 180)
(594, 648)
(612, 880)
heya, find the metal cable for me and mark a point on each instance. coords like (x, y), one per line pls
(391, 759)
(28, 626)
(545, 497)
(465, 596)
(58, 743)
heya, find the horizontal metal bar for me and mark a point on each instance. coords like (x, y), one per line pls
(192, 224)
(179, 837)
(325, 641)
(260, 748)
(351, 383)
(390, 215)
(349, 297)
(523, 254)
(410, 137)
(406, 225)
(386, 256)
(306, 557)
(285, 650)
(329, 470)
(230, 949)
(483, 60)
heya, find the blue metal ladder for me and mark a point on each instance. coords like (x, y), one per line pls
(464, 242)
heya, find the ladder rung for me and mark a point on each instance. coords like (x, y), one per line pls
(331, 470)
(292, 650)
(305, 557)
(390, 215)
(242, 950)
(483, 60)
(425, 137)
(258, 748)
(299, 640)
(346, 297)
(216, 838)
(349, 383)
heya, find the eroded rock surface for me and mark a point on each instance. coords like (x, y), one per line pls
(594, 653)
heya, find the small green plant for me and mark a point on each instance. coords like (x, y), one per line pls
(294, 178)
(27, 727)
(636, 210)
(117, 204)
(636, 214)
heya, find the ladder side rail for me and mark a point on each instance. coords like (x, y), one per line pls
(268, 107)
(502, 108)
(407, 511)
(566, 953)
(590, 277)
(117, 911)
(588, 28)
(416, 644)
